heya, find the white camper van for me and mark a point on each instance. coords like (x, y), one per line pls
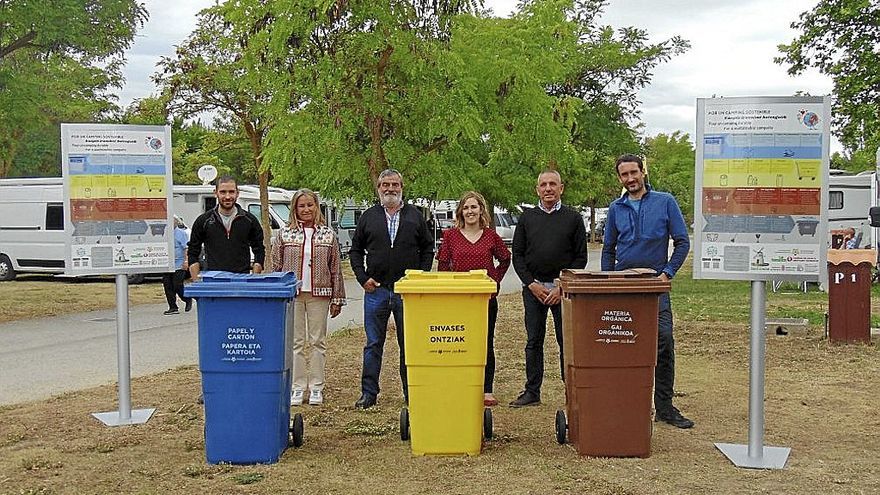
(850, 198)
(32, 220)
(505, 225)
(31, 227)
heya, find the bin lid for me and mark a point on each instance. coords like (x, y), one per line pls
(854, 256)
(628, 281)
(421, 282)
(228, 284)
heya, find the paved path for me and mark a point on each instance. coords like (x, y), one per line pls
(48, 356)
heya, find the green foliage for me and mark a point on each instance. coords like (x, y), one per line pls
(671, 161)
(452, 98)
(840, 38)
(58, 59)
(208, 74)
(859, 161)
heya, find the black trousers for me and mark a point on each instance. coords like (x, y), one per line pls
(173, 284)
(536, 329)
(490, 347)
(664, 372)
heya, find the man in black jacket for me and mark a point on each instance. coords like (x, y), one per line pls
(547, 240)
(229, 234)
(393, 237)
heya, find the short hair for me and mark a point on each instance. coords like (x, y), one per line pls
(389, 172)
(224, 179)
(485, 219)
(294, 220)
(551, 171)
(628, 158)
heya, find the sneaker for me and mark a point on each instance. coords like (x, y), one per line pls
(296, 398)
(316, 398)
(189, 306)
(489, 400)
(526, 398)
(172, 311)
(673, 416)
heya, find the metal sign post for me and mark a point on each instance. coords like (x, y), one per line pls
(760, 214)
(755, 454)
(118, 220)
(124, 416)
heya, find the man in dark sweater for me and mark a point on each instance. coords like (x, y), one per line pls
(547, 240)
(391, 237)
(228, 233)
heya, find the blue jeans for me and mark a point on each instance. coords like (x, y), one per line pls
(536, 329)
(378, 307)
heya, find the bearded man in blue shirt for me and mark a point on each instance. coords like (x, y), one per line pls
(638, 228)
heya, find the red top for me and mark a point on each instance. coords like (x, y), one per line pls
(458, 254)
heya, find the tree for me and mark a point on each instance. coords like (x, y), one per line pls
(354, 85)
(207, 74)
(841, 39)
(454, 99)
(58, 58)
(193, 144)
(670, 161)
(611, 67)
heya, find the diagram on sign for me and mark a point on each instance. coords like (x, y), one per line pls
(118, 208)
(764, 184)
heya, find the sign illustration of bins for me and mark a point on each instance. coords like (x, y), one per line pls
(609, 322)
(849, 294)
(446, 322)
(245, 361)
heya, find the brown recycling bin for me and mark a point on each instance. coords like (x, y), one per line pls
(609, 322)
(849, 294)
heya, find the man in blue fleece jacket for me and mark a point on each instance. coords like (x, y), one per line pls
(637, 232)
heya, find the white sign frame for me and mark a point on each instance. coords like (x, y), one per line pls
(752, 131)
(117, 180)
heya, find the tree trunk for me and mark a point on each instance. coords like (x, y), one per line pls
(377, 161)
(255, 136)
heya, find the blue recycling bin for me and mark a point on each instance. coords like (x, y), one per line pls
(245, 326)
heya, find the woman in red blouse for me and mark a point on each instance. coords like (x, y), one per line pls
(474, 245)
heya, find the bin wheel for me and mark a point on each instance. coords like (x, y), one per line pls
(561, 426)
(404, 424)
(296, 430)
(487, 423)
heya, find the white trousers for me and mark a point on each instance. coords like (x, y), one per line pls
(309, 330)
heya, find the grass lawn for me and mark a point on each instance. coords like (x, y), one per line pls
(820, 400)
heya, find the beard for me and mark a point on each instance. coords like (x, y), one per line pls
(390, 199)
(635, 187)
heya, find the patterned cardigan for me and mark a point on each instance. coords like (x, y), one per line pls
(287, 256)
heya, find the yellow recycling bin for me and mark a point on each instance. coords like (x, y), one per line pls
(446, 323)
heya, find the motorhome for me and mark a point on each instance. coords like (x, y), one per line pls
(850, 199)
(505, 225)
(32, 234)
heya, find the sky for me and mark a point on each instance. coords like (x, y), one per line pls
(732, 50)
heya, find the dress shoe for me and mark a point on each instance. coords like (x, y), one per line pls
(526, 399)
(365, 402)
(673, 416)
(189, 306)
